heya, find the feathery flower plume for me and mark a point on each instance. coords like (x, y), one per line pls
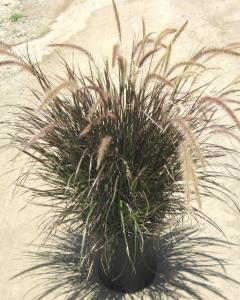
(217, 129)
(4, 50)
(117, 20)
(16, 63)
(185, 64)
(160, 78)
(5, 46)
(143, 28)
(146, 56)
(223, 105)
(97, 89)
(190, 179)
(186, 74)
(190, 138)
(72, 46)
(128, 172)
(163, 34)
(67, 84)
(41, 133)
(87, 129)
(167, 58)
(122, 64)
(186, 169)
(178, 33)
(164, 61)
(233, 46)
(216, 51)
(115, 54)
(234, 101)
(104, 144)
(141, 45)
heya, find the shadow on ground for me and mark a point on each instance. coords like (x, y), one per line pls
(186, 264)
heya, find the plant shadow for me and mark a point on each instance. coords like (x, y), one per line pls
(187, 262)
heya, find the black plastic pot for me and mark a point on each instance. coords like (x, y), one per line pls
(128, 273)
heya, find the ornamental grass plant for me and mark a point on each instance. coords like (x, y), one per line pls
(128, 149)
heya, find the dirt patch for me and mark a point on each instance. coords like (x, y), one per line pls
(23, 20)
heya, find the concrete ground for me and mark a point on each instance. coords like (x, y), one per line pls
(91, 24)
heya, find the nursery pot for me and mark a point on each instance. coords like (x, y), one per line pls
(128, 269)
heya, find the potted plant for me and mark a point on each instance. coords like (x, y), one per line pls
(125, 150)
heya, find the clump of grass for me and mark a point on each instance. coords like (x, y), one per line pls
(130, 152)
(16, 17)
